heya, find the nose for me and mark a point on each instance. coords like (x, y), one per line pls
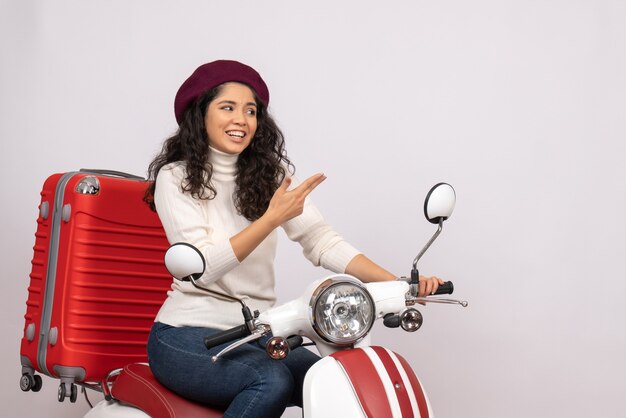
(239, 118)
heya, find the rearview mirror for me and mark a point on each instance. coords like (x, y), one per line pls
(184, 261)
(439, 203)
(438, 207)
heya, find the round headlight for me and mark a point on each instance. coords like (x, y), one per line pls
(342, 311)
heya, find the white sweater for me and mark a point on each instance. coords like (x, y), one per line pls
(208, 225)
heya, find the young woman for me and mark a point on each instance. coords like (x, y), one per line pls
(222, 184)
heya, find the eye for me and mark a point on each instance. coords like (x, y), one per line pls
(251, 112)
(229, 108)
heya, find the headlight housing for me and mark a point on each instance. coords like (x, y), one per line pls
(342, 310)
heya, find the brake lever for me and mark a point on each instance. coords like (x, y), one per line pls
(260, 331)
(410, 301)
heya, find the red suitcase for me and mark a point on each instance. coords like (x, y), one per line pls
(97, 280)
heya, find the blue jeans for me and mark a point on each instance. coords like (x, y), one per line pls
(246, 380)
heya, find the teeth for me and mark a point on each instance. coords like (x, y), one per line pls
(238, 134)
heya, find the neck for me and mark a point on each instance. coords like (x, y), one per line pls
(224, 164)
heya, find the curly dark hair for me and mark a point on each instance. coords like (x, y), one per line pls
(261, 167)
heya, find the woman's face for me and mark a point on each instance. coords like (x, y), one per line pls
(230, 119)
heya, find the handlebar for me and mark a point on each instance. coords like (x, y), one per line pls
(242, 331)
(412, 299)
(445, 289)
(226, 336)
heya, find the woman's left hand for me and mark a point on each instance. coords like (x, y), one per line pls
(429, 285)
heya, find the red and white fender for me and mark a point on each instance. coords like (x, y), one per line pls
(364, 382)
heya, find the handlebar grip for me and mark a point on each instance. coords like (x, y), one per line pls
(445, 289)
(294, 341)
(226, 336)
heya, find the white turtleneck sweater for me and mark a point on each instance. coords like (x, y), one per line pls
(209, 225)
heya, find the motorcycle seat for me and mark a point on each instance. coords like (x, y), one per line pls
(137, 386)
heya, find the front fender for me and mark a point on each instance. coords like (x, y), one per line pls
(364, 382)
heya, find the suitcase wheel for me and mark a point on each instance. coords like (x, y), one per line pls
(38, 383)
(62, 393)
(26, 382)
(30, 382)
(73, 393)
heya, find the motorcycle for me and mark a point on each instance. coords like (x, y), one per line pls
(336, 314)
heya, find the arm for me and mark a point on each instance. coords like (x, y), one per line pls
(321, 244)
(284, 206)
(366, 270)
(184, 220)
(324, 247)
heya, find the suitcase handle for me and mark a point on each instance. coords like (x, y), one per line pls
(111, 173)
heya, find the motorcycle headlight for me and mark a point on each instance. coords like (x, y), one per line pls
(342, 311)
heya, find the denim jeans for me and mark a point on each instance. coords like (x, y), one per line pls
(246, 379)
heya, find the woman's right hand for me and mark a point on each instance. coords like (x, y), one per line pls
(287, 204)
(284, 205)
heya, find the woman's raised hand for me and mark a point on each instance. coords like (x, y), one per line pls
(287, 204)
(284, 205)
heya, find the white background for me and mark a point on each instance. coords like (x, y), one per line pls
(519, 104)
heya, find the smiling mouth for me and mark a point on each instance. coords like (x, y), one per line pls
(236, 134)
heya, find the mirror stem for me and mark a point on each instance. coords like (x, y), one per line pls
(427, 246)
(248, 316)
(213, 292)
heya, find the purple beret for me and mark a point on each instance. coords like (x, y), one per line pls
(213, 74)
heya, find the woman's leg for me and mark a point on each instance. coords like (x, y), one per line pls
(246, 379)
(299, 361)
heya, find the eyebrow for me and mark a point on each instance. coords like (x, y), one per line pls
(234, 103)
